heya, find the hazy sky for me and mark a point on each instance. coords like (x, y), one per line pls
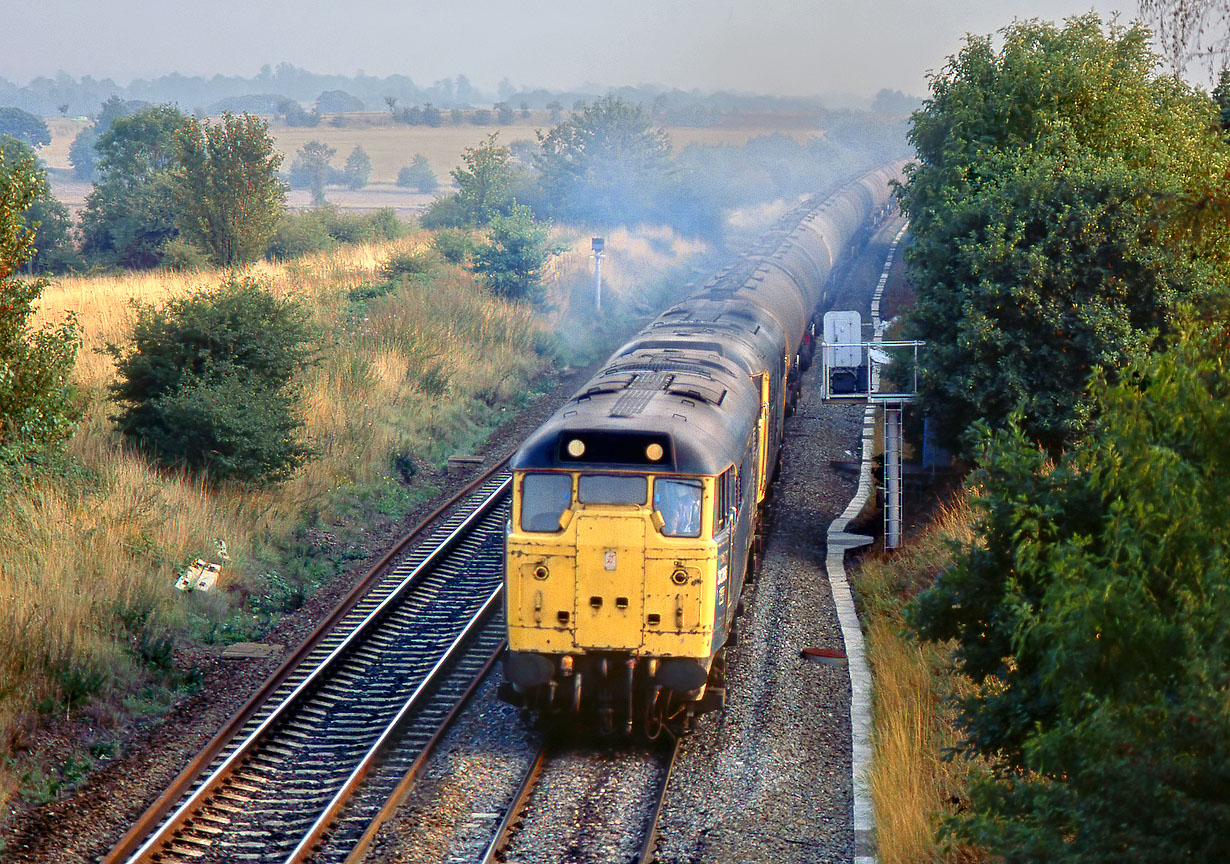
(788, 47)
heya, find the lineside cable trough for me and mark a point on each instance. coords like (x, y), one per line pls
(858, 375)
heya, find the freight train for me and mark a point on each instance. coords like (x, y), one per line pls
(636, 506)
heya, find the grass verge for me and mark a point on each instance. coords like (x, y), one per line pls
(912, 780)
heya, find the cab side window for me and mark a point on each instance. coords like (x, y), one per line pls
(720, 502)
(679, 503)
(544, 498)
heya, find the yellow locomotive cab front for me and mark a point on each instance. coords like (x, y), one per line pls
(614, 575)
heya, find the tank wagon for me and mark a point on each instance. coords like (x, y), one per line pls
(636, 506)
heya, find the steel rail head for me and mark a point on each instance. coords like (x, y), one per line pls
(648, 853)
(212, 782)
(504, 828)
(318, 828)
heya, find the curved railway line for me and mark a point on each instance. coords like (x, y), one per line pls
(319, 759)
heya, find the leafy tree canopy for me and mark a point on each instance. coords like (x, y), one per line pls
(1059, 206)
(358, 169)
(130, 214)
(606, 163)
(484, 181)
(312, 169)
(228, 194)
(1091, 618)
(37, 410)
(24, 126)
(82, 153)
(54, 249)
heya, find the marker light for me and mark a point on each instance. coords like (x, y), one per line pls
(576, 447)
(654, 452)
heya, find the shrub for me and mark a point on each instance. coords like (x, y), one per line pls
(420, 263)
(298, 234)
(182, 254)
(453, 244)
(324, 227)
(208, 382)
(511, 260)
(418, 175)
(447, 212)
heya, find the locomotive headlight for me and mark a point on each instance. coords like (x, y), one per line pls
(679, 577)
(576, 448)
(541, 572)
(654, 452)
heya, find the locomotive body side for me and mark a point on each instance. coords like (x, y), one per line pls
(636, 505)
(627, 544)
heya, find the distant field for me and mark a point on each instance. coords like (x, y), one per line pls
(392, 145)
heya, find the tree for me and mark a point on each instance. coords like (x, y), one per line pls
(227, 189)
(1058, 206)
(484, 181)
(37, 409)
(418, 175)
(358, 169)
(312, 169)
(1189, 30)
(503, 113)
(208, 382)
(1221, 96)
(337, 102)
(391, 101)
(607, 163)
(512, 258)
(130, 214)
(53, 248)
(1090, 617)
(82, 153)
(24, 126)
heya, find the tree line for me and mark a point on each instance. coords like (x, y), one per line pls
(1070, 258)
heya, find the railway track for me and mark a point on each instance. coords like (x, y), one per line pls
(314, 765)
(585, 806)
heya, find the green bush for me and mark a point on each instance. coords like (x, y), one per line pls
(400, 264)
(453, 244)
(182, 254)
(324, 228)
(208, 383)
(511, 260)
(446, 212)
(418, 175)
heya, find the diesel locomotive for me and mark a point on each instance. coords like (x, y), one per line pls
(636, 506)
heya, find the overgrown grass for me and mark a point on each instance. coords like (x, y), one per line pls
(912, 783)
(415, 365)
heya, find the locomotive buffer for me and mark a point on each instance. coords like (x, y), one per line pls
(851, 372)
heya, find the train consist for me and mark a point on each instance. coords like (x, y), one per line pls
(636, 506)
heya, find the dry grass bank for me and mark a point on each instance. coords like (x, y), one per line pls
(409, 372)
(912, 785)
